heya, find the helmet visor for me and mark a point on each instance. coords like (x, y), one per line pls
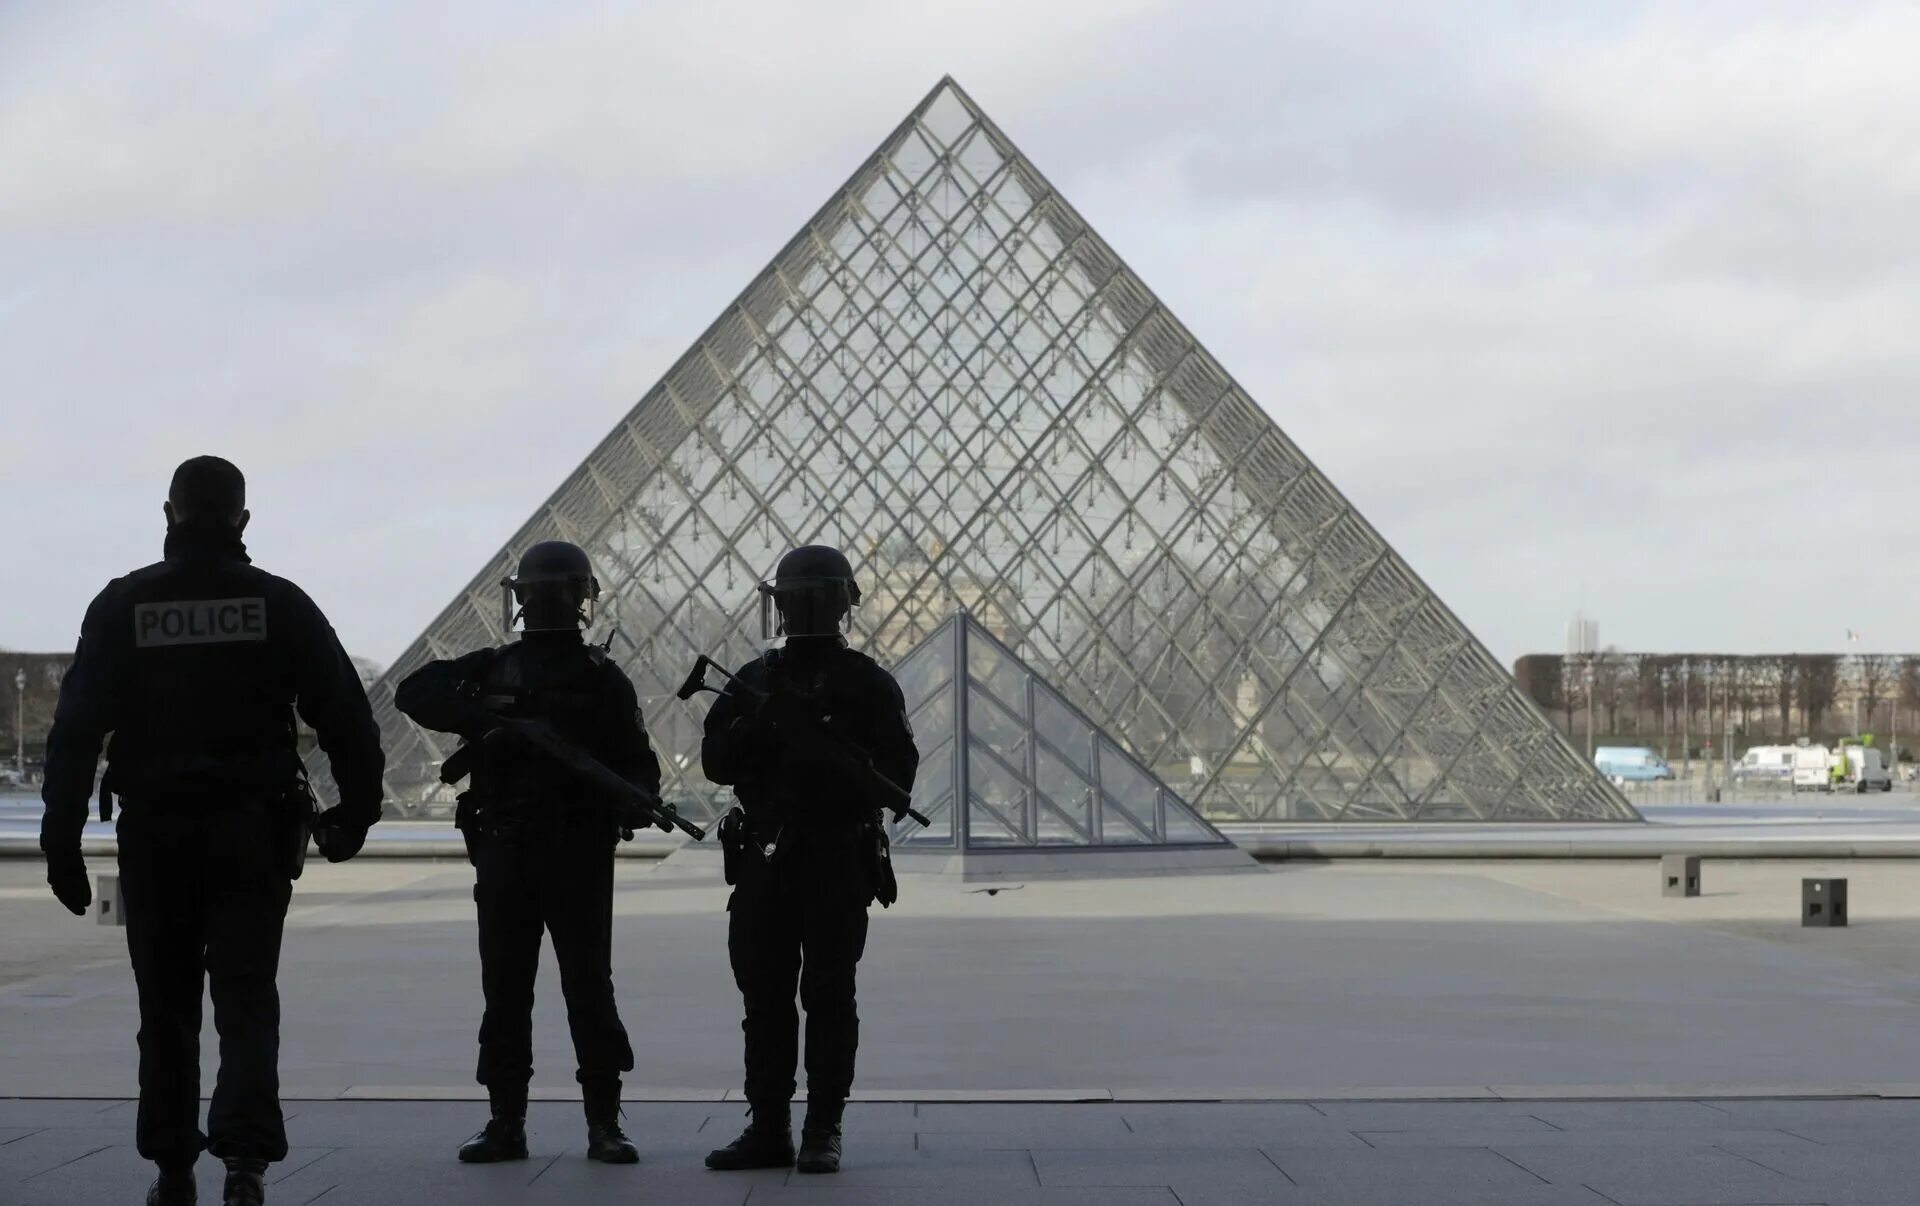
(514, 594)
(797, 606)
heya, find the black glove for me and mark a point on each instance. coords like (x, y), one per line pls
(67, 876)
(339, 834)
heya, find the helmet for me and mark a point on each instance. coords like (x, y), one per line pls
(812, 591)
(554, 586)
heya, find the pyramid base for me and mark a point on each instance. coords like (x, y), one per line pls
(1076, 862)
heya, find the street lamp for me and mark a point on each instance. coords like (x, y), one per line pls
(20, 722)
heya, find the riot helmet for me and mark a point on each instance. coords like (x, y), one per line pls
(554, 587)
(812, 593)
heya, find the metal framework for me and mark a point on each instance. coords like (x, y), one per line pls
(950, 375)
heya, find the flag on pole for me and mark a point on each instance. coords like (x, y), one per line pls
(1853, 638)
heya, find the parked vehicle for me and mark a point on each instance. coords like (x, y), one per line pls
(1862, 769)
(1631, 763)
(1812, 768)
(1766, 762)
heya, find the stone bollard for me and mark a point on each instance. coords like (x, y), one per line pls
(1823, 902)
(106, 901)
(1680, 875)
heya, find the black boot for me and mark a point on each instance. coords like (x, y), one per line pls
(820, 1138)
(505, 1135)
(174, 1186)
(246, 1182)
(606, 1142)
(766, 1143)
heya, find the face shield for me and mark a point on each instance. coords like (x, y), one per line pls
(548, 604)
(796, 606)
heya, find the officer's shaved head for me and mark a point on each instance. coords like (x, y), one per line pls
(208, 488)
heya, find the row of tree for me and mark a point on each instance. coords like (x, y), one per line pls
(1697, 696)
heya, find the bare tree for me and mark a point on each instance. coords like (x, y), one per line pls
(1783, 675)
(1875, 674)
(1906, 694)
(1542, 677)
(1611, 671)
(1819, 686)
(1748, 675)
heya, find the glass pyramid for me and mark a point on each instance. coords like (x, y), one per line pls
(947, 373)
(1032, 770)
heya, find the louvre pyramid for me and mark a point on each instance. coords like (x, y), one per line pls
(949, 374)
(1007, 765)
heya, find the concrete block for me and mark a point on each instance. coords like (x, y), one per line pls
(1823, 902)
(1680, 875)
(106, 900)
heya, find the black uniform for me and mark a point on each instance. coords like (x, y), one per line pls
(194, 665)
(542, 846)
(799, 919)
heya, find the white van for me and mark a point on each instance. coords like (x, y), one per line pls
(1765, 762)
(1865, 770)
(1812, 768)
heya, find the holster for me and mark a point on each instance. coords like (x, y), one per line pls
(466, 818)
(297, 809)
(886, 888)
(733, 840)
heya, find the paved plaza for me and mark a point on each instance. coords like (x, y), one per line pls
(1547, 1152)
(1273, 1036)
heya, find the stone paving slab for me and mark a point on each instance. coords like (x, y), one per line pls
(1818, 1152)
(1658, 1176)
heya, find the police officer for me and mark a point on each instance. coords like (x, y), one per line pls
(805, 845)
(542, 845)
(195, 665)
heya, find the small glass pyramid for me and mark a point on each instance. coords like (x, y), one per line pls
(1006, 763)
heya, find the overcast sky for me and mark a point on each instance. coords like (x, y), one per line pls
(1615, 309)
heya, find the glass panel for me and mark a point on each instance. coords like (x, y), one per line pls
(996, 728)
(1065, 732)
(926, 670)
(997, 673)
(1065, 803)
(1183, 826)
(998, 800)
(1128, 795)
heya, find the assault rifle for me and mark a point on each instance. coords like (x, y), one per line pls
(634, 806)
(796, 714)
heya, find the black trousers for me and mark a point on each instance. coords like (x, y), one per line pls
(560, 883)
(205, 901)
(799, 924)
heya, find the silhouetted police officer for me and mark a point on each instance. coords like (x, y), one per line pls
(195, 665)
(804, 855)
(542, 844)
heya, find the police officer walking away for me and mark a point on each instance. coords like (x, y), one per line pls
(806, 850)
(195, 665)
(541, 840)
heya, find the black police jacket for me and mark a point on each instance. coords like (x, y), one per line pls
(195, 665)
(775, 775)
(554, 677)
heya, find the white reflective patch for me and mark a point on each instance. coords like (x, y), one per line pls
(199, 622)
